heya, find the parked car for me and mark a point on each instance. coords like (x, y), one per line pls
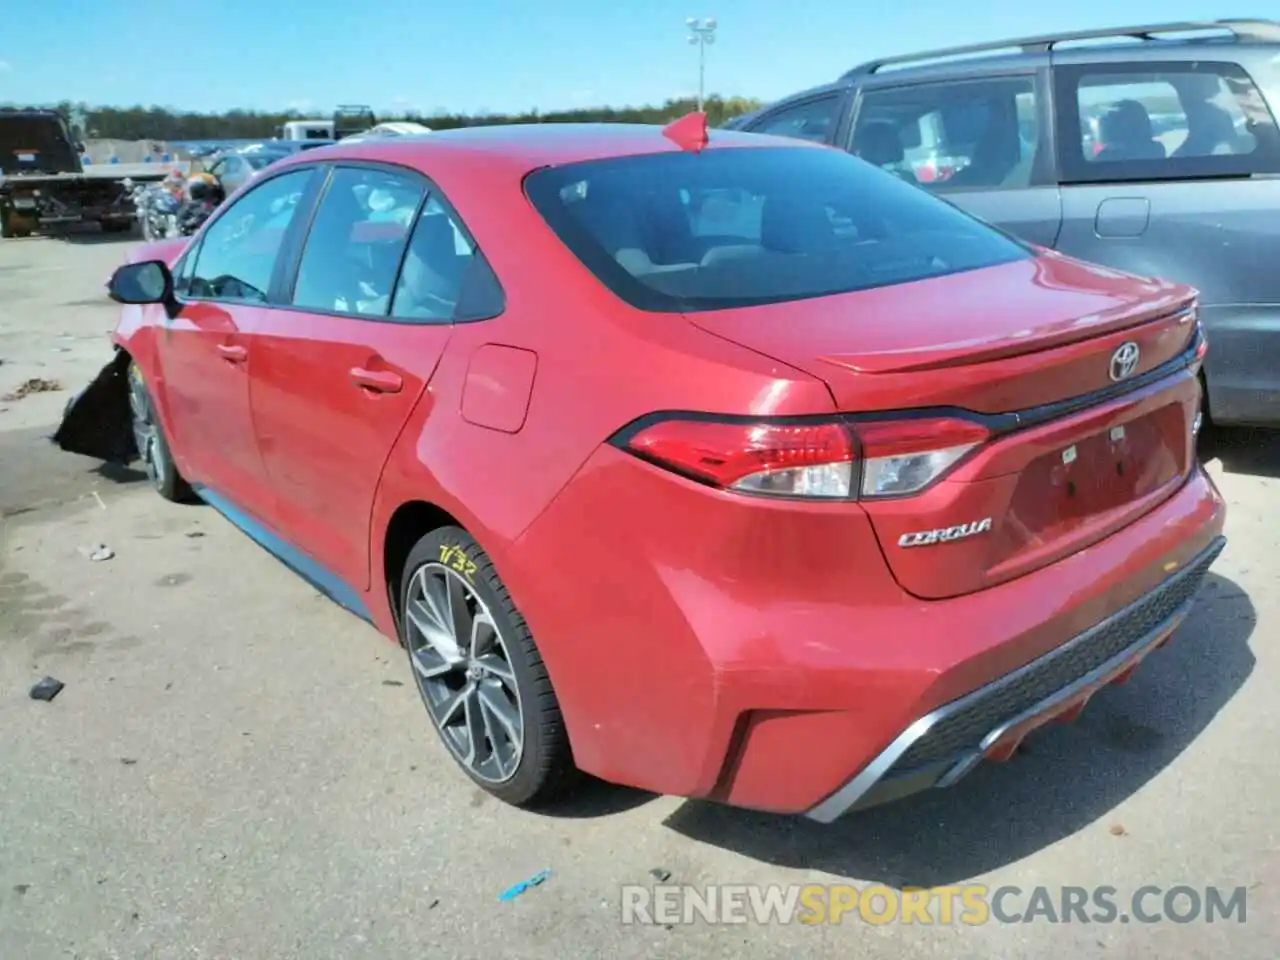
(1161, 160)
(668, 459)
(234, 168)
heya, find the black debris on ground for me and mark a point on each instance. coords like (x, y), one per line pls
(47, 689)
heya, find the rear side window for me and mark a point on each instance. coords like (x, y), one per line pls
(445, 278)
(744, 226)
(355, 243)
(967, 135)
(1158, 121)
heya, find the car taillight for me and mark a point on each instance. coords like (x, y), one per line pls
(823, 460)
(790, 460)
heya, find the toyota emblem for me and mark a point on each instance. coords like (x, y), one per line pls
(1124, 361)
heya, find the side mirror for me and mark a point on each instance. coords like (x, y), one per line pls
(146, 282)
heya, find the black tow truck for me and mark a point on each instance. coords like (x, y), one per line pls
(44, 186)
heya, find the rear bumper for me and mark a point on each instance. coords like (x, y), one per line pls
(760, 654)
(941, 747)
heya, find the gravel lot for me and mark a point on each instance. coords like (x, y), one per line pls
(238, 769)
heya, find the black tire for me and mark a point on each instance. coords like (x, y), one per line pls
(118, 226)
(14, 227)
(153, 447)
(545, 769)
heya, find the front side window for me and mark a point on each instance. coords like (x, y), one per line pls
(736, 227)
(813, 120)
(356, 240)
(239, 250)
(1154, 121)
(970, 135)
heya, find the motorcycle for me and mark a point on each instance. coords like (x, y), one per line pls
(192, 215)
(156, 209)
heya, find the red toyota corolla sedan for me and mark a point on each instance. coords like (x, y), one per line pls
(729, 468)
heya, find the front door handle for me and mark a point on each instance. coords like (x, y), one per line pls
(380, 381)
(232, 353)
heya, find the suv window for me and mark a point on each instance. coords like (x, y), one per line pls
(966, 135)
(238, 252)
(1150, 121)
(445, 277)
(812, 120)
(679, 232)
(355, 243)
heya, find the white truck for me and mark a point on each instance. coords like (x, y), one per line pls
(307, 130)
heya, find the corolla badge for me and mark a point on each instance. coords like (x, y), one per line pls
(924, 538)
(1124, 361)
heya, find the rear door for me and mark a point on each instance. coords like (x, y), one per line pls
(339, 372)
(1169, 169)
(983, 143)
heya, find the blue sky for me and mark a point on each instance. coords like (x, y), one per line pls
(489, 55)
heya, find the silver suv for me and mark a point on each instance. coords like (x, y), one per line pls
(1151, 149)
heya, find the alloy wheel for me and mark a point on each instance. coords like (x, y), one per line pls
(463, 669)
(145, 433)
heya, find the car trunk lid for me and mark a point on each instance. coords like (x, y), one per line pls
(1055, 357)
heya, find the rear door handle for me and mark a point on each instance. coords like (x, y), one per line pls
(380, 381)
(232, 353)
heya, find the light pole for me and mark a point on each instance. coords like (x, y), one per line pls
(702, 33)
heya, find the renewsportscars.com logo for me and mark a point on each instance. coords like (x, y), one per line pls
(966, 904)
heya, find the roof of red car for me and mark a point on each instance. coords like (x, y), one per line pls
(533, 145)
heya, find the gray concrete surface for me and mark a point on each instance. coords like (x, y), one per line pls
(238, 769)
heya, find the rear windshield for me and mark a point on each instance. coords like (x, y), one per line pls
(744, 226)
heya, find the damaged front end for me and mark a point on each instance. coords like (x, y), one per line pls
(98, 422)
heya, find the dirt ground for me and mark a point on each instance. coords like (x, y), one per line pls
(238, 769)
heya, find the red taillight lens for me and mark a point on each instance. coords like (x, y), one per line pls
(798, 460)
(834, 460)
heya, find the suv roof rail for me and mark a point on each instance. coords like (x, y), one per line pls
(1244, 30)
